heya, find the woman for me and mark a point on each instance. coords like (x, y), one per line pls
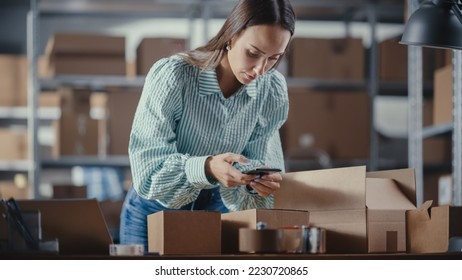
(208, 115)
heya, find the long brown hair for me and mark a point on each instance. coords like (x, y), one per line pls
(245, 14)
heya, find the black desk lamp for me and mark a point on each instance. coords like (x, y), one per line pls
(437, 24)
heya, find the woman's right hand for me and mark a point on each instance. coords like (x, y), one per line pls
(221, 168)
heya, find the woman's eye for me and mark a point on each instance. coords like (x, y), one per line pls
(253, 54)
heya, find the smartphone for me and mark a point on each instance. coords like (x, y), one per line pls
(262, 171)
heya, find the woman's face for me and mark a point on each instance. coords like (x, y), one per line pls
(256, 50)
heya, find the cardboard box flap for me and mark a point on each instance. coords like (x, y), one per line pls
(327, 189)
(422, 213)
(384, 194)
(404, 178)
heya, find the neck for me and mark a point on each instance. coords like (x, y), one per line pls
(226, 79)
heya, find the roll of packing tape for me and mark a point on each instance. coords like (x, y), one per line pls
(314, 240)
(126, 249)
(284, 240)
(260, 240)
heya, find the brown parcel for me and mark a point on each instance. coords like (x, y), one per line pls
(274, 218)
(181, 232)
(429, 228)
(336, 199)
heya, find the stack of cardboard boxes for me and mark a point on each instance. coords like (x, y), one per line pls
(98, 54)
(362, 212)
(13, 139)
(337, 121)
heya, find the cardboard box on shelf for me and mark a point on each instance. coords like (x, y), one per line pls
(85, 43)
(13, 80)
(76, 132)
(442, 98)
(23, 68)
(13, 144)
(77, 64)
(119, 125)
(62, 191)
(337, 201)
(273, 218)
(49, 99)
(84, 54)
(430, 228)
(178, 232)
(437, 150)
(341, 59)
(9, 189)
(152, 49)
(8, 80)
(336, 122)
(393, 58)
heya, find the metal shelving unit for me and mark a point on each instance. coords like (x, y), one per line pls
(416, 130)
(96, 9)
(371, 12)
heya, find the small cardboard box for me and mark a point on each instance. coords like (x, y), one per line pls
(274, 218)
(177, 232)
(337, 201)
(429, 228)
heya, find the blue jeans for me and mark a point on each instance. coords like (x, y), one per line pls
(135, 210)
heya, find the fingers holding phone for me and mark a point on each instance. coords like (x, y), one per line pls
(267, 180)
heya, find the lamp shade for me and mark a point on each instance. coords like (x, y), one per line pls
(434, 25)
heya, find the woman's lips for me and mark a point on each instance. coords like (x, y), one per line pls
(250, 77)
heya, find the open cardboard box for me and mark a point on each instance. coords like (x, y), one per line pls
(360, 215)
(273, 218)
(430, 228)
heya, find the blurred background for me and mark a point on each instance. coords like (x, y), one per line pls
(71, 73)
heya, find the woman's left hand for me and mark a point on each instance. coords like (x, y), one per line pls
(267, 184)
